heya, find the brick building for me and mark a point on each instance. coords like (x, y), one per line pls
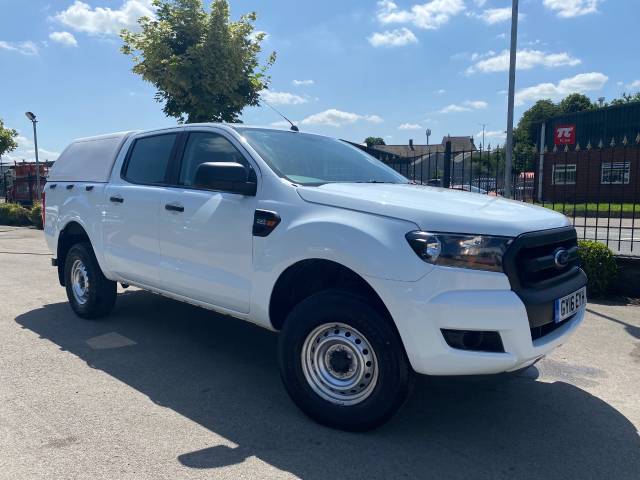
(592, 156)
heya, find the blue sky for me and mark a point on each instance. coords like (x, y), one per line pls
(345, 68)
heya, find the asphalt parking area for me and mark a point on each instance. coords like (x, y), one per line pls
(165, 390)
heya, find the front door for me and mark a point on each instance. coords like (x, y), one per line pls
(205, 236)
(132, 209)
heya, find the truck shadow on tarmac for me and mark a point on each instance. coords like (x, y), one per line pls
(222, 374)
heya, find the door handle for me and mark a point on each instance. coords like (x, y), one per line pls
(116, 199)
(174, 207)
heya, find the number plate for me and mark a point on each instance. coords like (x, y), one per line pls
(570, 304)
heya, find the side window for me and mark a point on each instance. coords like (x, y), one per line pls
(203, 147)
(149, 159)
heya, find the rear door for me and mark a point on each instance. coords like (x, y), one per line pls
(132, 207)
(205, 236)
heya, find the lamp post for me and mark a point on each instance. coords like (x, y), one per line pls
(484, 126)
(512, 85)
(31, 116)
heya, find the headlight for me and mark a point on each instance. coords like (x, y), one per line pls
(479, 252)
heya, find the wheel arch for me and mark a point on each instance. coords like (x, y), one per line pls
(72, 233)
(306, 277)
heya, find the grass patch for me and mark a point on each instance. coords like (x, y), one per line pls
(595, 209)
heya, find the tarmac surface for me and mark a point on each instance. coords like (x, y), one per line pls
(164, 390)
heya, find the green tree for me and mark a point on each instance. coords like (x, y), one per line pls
(626, 98)
(370, 141)
(576, 102)
(7, 139)
(204, 66)
(524, 134)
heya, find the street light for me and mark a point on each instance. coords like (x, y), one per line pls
(32, 118)
(483, 125)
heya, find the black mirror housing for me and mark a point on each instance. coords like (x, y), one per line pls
(226, 177)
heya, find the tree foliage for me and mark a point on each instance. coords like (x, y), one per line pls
(576, 102)
(204, 66)
(626, 98)
(7, 139)
(370, 141)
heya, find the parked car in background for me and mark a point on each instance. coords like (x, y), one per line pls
(369, 279)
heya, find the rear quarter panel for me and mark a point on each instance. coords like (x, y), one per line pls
(76, 204)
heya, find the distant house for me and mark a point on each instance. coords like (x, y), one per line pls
(421, 162)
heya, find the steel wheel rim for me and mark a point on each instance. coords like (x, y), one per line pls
(339, 364)
(80, 282)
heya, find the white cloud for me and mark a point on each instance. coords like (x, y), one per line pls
(581, 83)
(26, 151)
(525, 60)
(282, 98)
(281, 124)
(441, 91)
(103, 20)
(64, 38)
(633, 85)
(454, 109)
(492, 16)
(572, 8)
(476, 104)
(491, 134)
(410, 126)
(479, 3)
(465, 106)
(301, 83)
(24, 48)
(337, 118)
(393, 38)
(430, 16)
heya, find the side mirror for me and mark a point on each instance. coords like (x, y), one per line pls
(225, 177)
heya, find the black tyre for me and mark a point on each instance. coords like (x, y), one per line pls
(90, 293)
(342, 361)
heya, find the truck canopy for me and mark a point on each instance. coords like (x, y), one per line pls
(88, 159)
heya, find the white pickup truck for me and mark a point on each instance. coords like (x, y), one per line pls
(369, 279)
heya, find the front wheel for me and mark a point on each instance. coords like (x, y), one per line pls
(342, 361)
(90, 293)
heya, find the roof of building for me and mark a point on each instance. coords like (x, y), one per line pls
(458, 144)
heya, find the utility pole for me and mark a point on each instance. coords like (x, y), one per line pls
(484, 125)
(508, 167)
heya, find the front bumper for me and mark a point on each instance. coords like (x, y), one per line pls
(453, 298)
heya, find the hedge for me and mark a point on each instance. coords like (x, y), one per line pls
(14, 214)
(599, 265)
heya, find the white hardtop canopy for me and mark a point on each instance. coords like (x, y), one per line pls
(88, 159)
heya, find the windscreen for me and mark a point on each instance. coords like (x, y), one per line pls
(315, 160)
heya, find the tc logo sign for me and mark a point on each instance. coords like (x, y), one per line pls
(565, 135)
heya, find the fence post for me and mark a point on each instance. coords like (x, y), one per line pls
(541, 162)
(446, 175)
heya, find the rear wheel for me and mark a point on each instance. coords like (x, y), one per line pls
(90, 293)
(342, 361)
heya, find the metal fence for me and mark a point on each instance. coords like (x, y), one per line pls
(596, 186)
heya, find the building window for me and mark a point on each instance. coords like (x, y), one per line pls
(615, 173)
(564, 174)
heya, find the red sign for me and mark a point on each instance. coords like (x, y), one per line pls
(564, 135)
